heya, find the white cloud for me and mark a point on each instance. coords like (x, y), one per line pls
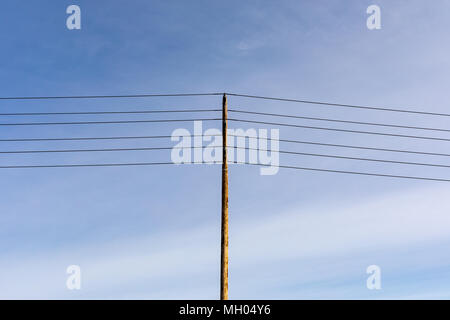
(311, 248)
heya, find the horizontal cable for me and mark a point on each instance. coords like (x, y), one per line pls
(245, 148)
(215, 135)
(171, 163)
(350, 172)
(112, 96)
(342, 105)
(340, 121)
(341, 130)
(100, 165)
(352, 146)
(351, 158)
(106, 112)
(100, 150)
(102, 122)
(99, 138)
(216, 94)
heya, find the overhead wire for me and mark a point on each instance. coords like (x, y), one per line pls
(421, 112)
(340, 121)
(104, 122)
(110, 96)
(107, 112)
(340, 130)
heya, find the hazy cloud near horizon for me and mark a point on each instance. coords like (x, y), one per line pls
(307, 252)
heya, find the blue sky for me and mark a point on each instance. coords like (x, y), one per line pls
(153, 232)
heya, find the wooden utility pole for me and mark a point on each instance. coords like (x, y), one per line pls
(224, 233)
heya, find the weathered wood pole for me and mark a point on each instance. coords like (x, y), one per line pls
(224, 233)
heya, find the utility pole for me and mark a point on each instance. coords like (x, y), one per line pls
(224, 233)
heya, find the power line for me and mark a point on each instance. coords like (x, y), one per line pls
(201, 147)
(100, 165)
(351, 172)
(340, 121)
(230, 94)
(341, 105)
(106, 112)
(216, 135)
(100, 150)
(351, 158)
(101, 122)
(171, 163)
(356, 147)
(99, 138)
(111, 96)
(341, 130)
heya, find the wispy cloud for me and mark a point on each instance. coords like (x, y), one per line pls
(319, 252)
